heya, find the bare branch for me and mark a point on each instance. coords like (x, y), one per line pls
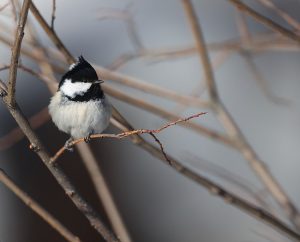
(61, 178)
(266, 21)
(248, 57)
(16, 134)
(202, 52)
(262, 81)
(288, 18)
(233, 130)
(70, 59)
(16, 53)
(163, 113)
(126, 134)
(103, 192)
(126, 16)
(53, 222)
(4, 6)
(151, 88)
(53, 13)
(14, 10)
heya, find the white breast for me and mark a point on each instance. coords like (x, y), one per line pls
(71, 89)
(79, 119)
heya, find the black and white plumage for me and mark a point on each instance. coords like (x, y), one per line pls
(79, 107)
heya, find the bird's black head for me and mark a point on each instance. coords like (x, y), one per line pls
(80, 82)
(81, 71)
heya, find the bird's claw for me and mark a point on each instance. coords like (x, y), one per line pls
(87, 139)
(68, 145)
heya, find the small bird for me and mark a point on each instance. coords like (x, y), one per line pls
(79, 107)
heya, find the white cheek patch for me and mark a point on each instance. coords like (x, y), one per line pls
(72, 66)
(71, 89)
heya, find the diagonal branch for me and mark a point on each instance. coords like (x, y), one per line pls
(209, 185)
(53, 222)
(16, 53)
(127, 134)
(57, 172)
(201, 49)
(266, 21)
(258, 166)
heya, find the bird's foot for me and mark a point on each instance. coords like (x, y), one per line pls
(87, 139)
(68, 145)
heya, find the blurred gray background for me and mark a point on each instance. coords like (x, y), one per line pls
(158, 204)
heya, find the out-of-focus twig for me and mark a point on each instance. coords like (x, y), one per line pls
(53, 13)
(262, 82)
(16, 53)
(233, 130)
(168, 115)
(4, 6)
(284, 15)
(49, 31)
(151, 88)
(14, 10)
(32, 204)
(217, 62)
(266, 21)
(246, 37)
(125, 16)
(16, 134)
(201, 49)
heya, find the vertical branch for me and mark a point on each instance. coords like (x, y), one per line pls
(60, 228)
(53, 13)
(103, 191)
(201, 49)
(258, 166)
(16, 53)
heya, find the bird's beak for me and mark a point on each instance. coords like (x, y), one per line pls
(98, 81)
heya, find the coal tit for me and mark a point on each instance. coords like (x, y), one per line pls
(79, 107)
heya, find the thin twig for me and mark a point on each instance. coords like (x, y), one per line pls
(246, 37)
(4, 6)
(263, 83)
(258, 166)
(288, 18)
(202, 52)
(126, 134)
(150, 88)
(16, 134)
(266, 21)
(32, 204)
(51, 34)
(14, 10)
(53, 13)
(16, 53)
